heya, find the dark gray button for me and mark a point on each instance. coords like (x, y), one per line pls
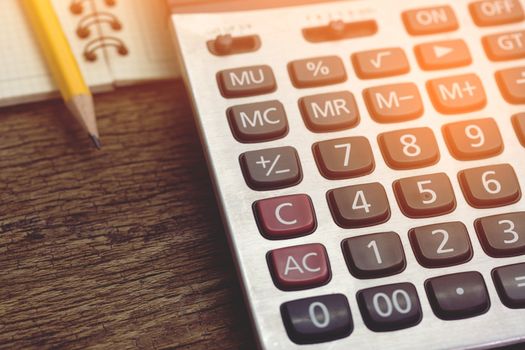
(376, 255)
(425, 196)
(510, 284)
(255, 122)
(246, 81)
(271, 168)
(317, 71)
(441, 245)
(490, 186)
(318, 319)
(344, 158)
(329, 112)
(359, 205)
(502, 235)
(457, 296)
(390, 307)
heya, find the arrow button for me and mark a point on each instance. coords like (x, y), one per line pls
(443, 54)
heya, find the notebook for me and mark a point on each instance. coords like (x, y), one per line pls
(116, 42)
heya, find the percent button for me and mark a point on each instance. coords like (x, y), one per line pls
(317, 71)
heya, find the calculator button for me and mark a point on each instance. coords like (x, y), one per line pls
(502, 235)
(457, 296)
(271, 168)
(317, 319)
(473, 139)
(441, 245)
(375, 255)
(246, 81)
(380, 63)
(490, 186)
(255, 122)
(511, 83)
(518, 121)
(359, 205)
(329, 112)
(425, 196)
(409, 148)
(344, 158)
(430, 20)
(317, 71)
(505, 46)
(286, 216)
(390, 307)
(510, 284)
(443, 54)
(299, 267)
(457, 94)
(393, 103)
(496, 12)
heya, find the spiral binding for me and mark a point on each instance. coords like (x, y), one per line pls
(94, 22)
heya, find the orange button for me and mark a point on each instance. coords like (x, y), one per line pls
(457, 94)
(496, 12)
(511, 83)
(393, 103)
(430, 20)
(380, 63)
(443, 54)
(505, 46)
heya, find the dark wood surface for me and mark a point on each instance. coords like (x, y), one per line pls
(121, 248)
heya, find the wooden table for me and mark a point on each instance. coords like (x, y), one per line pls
(115, 249)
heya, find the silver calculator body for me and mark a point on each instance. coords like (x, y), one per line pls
(281, 36)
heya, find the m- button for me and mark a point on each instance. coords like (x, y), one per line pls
(393, 103)
(246, 81)
(457, 94)
(505, 46)
(299, 267)
(285, 216)
(430, 20)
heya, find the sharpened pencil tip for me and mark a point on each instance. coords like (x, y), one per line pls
(96, 141)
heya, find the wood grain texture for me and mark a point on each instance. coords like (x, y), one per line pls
(115, 249)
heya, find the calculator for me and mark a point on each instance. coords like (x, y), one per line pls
(368, 159)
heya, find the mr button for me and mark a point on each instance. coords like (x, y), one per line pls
(299, 267)
(246, 81)
(329, 112)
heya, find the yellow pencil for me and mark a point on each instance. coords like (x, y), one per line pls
(63, 64)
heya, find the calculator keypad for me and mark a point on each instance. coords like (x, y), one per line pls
(425, 196)
(390, 307)
(502, 235)
(458, 296)
(271, 168)
(393, 103)
(317, 319)
(409, 149)
(359, 205)
(344, 158)
(490, 186)
(440, 245)
(375, 255)
(329, 112)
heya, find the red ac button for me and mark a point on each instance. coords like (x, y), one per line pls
(299, 267)
(286, 216)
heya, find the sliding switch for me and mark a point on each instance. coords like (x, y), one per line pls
(339, 30)
(227, 44)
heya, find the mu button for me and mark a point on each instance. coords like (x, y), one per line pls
(457, 94)
(299, 267)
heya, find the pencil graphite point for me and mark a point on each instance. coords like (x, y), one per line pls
(96, 141)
